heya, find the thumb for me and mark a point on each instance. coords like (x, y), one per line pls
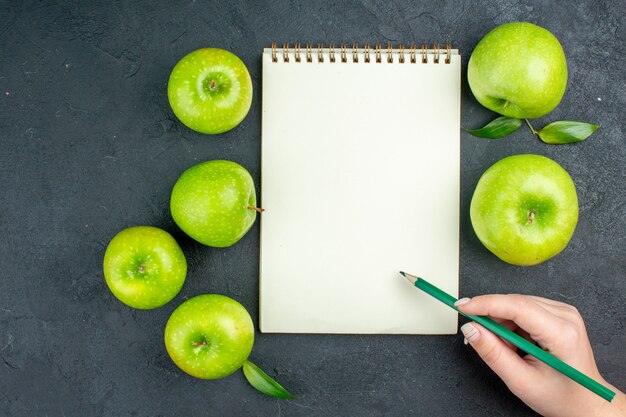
(503, 360)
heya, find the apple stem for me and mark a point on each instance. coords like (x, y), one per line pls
(257, 209)
(531, 127)
(531, 217)
(141, 269)
(212, 85)
(203, 343)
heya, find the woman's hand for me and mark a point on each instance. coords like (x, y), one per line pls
(559, 329)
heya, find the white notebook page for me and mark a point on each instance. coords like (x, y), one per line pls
(360, 179)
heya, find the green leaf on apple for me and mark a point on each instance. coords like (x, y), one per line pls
(566, 131)
(497, 128)
(264, 383)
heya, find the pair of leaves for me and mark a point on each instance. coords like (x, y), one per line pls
(565, 131)
(263, 382)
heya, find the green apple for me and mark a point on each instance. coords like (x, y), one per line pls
(144, 267)
(214, 202)
(518, 70)
(525, 209)
(210, 90)
(209, 336)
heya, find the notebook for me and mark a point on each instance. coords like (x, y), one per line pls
(359, 180)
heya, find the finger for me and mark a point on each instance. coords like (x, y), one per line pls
(509, 366)
(565, 311)
(525, 335)
(548, 301)
(551, 304)
(523, 310)
(511, 326)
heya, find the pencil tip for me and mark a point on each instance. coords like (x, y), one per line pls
(409, 277)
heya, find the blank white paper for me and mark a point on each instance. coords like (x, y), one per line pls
(360, 179)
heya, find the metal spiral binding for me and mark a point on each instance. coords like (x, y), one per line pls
(400, 50)
(297, 52)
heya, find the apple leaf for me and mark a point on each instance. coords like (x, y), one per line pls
(566, 131)
(498, 128)
(263, 382)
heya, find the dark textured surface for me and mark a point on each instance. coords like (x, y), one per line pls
(89, 146)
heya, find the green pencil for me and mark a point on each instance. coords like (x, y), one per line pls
(515, 339)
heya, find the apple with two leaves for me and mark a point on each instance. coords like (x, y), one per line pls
(518, 70)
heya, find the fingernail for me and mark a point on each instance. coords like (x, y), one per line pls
(462, 301)
(470, 332)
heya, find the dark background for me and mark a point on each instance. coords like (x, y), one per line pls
(89, 146)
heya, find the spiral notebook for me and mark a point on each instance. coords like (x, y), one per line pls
(359, 179)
